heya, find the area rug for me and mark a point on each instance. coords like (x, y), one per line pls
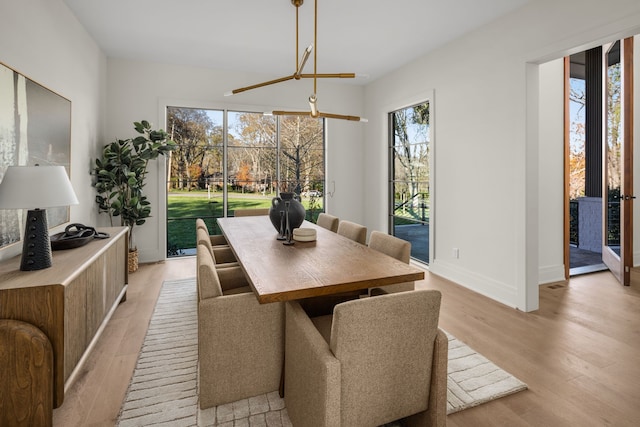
(163, 388)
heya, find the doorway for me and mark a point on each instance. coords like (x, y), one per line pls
(598, 160)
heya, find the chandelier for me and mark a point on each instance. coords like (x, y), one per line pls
(298, 74)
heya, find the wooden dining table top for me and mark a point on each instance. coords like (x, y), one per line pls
(331, 264)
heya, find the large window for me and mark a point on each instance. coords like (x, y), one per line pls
(228, 160)
(409, 177)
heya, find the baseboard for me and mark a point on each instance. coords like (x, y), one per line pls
(149, 255)
(498, 291)
(550, 274)
(635, 277)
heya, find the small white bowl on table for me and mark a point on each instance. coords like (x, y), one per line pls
(304, 234)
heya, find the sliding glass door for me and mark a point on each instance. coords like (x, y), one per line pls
(228, 160)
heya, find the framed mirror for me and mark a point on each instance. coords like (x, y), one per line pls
(35, 128)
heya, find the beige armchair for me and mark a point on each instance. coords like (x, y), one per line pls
(324, 304)
(394, 247)
(240, 341)
(222, 254)
(327, 221)
(374, 361)
(353, 231)
(216, 239)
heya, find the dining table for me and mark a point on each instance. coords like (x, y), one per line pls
(331, 264)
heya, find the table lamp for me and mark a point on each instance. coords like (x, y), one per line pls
(36, 188)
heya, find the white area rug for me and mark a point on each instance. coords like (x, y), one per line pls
(163, 389)
(473, 379)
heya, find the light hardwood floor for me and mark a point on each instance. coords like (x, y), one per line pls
(579, 354)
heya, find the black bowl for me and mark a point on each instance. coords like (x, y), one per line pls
(60, 242)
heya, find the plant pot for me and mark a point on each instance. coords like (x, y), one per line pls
(133, 260)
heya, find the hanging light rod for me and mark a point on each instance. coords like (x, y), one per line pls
(320, 114)
(297, 75)
(313, 99)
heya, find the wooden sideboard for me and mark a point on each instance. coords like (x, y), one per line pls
(71, 301)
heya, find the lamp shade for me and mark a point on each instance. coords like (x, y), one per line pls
(33, 187)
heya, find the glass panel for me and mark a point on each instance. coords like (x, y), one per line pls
(577, 158)
(302, 161)
(251, 161)
(195, 181)
(410, 178)
(614, 148)
(577, 106)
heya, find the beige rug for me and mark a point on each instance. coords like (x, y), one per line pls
(473, 379)
(163, 389)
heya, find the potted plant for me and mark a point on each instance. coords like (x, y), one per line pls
(120, 178)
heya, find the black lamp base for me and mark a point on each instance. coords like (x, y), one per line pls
(36, 249)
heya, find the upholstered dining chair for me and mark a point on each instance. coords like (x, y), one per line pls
(216, 239)
(251, 212)
(327, 221)
(394, 247)
(374, 361)
(353, 231)
(222, 254)
(240, 341)
(324, 304)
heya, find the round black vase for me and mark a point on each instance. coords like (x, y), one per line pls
(296, 210)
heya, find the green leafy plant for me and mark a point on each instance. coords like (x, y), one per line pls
(121, 172)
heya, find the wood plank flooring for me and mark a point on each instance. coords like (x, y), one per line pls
(579, 354)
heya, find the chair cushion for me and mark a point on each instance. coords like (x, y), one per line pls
(223, 254)
(218, 240)
(230, 278)
(240, 290)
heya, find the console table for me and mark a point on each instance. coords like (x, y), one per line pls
(71, 301)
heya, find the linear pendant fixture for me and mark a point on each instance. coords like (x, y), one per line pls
(298, 74)
(313, 98)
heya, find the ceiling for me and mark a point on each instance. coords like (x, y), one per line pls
(361, 36)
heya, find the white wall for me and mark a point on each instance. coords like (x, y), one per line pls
(550, 172)
(142, 90)
(486, 139)
(43, 40)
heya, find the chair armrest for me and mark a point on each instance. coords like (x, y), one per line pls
(436, 414)
(316, 394)
(438, 395)
(231, 278)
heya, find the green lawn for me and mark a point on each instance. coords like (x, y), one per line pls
(184, 208)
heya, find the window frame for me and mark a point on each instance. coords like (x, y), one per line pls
(163, 190)
(417, 99)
